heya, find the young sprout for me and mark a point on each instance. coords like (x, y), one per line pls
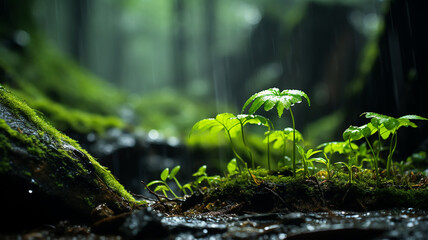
(232, 167)
(386, 126)
(285, 99)
(328, 149)
(338, 147)
(163, 184)
(203, 176)
(279, 138)
(257, 120)
(353, 133)
(172, 175)
(307, 158)
(223, 121)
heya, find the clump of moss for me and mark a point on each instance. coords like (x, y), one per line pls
(273, 191)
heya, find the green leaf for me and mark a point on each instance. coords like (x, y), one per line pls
(254, 119)
(273, 97)
(301, 150)
(311, 152)
(164, 174)
(188, 186)
(161, 188)
(201, 171)
(413, 117)
(389, 125)
(339, 147)
(232, 167)
(155, 182)
(355, 133)
(280, 137)
(320, 160)
(342, 163)
(174, 171)
(223, 121)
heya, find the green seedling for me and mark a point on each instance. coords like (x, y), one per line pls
(326, 161)
(222, 122)
(307, 158)
(330, 148)
(164, 187)
(285, 99)
(203, 176)
(387, 126)
(279, 138)
(257, 120)
(232, 167)
(353, 133)
(172, 175)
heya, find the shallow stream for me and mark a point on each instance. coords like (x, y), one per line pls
(385, 224)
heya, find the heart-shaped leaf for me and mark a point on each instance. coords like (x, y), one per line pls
(273, 97)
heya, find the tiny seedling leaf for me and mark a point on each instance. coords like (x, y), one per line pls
(154, 182)
(280, 137)
(164, 174)
(174, 172)
(232, 167)
(201, 171)
(161, 188)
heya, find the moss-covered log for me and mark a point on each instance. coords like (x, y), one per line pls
(46, 176)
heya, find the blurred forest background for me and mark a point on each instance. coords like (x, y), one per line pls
(159, 66)
(217, 51)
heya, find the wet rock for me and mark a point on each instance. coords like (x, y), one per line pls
(145, 223)
(45, 176)
(345, 233)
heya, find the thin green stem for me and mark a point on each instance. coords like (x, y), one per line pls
(233, 149)
(246, 147)
(179, 185)
(268, 153)
(169, 189)
(392, 147)
(294, 144)
(375, 160)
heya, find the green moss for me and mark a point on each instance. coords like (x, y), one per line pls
(314, 194)
(36, 147)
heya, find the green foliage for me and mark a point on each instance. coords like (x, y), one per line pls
(202, 176)
(232, 167)
(348, 154)
(273, 97)
(307, 158)
(162, 184)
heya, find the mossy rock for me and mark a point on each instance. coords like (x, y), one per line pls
(45, 175)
